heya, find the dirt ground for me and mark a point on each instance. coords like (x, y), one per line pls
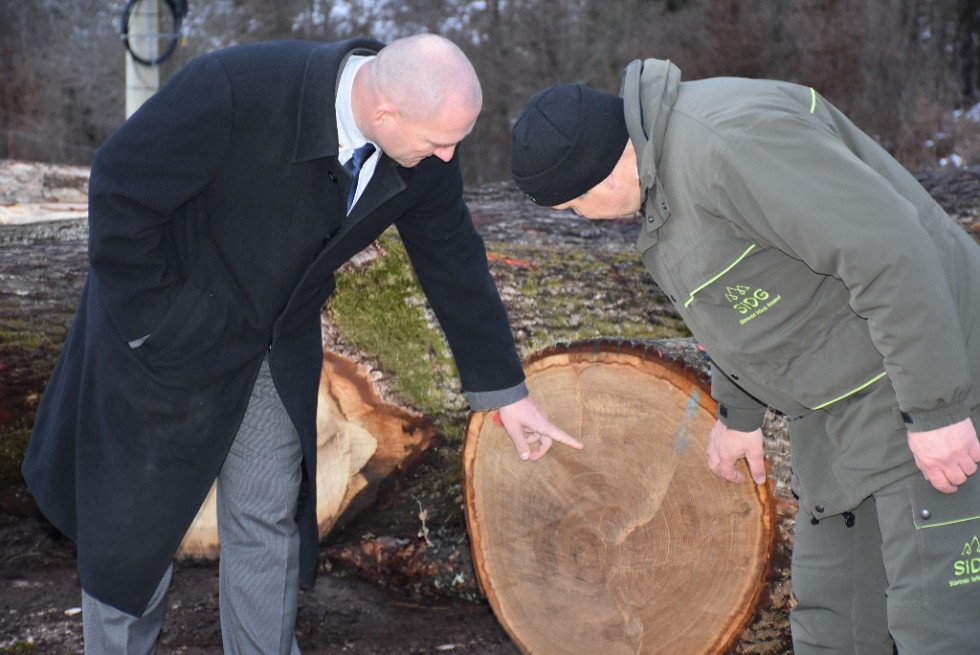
(40, 608)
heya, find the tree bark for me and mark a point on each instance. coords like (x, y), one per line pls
(630, 545)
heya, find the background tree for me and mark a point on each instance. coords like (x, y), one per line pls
(906, 71)
(61, 73)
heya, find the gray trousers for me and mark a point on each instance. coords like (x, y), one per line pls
(894, 579)
(257, 492)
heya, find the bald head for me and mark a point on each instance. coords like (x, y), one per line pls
(418, 98)
(421, 74)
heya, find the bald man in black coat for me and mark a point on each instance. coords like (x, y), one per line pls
(217, 220)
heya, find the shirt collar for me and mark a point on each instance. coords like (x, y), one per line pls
(348, 134)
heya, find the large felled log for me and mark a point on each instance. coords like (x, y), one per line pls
(630, 545)
(360, 441)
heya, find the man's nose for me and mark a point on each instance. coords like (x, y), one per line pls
(445, 153)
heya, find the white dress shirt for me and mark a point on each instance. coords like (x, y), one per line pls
(348, 134)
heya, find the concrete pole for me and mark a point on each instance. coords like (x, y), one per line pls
(144, 28)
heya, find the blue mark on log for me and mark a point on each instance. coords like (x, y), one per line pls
(682, 438)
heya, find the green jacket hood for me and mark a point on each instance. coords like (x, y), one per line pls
(647, 123)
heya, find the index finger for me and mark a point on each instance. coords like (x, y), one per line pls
(556, 434)
(565, 438)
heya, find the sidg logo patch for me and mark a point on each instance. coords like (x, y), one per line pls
(749, 303)
(967, 567)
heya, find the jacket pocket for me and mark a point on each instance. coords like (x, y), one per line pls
(774, 321)
(188, 335)
(948, 539)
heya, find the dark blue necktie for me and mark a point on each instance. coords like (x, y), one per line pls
(354, 166)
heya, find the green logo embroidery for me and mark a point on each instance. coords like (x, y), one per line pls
(748, 303)
(967, 567)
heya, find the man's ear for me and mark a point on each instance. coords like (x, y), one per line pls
(615, 179)
(610, 180)
(383, 113)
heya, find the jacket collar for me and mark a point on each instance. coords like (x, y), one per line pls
(649, 92)
(316, 134)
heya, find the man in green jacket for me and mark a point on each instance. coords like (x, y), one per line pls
(825, 283)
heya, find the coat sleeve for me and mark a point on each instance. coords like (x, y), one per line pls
(162, 157)
(450, 261)
(736, 409)
(826, 194)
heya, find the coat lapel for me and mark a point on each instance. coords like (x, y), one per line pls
(387, 181)
(316, 134)
(317, 138)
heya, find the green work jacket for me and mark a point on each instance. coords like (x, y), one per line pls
(807, 262)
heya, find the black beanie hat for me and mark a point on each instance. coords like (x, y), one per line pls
(568, 139)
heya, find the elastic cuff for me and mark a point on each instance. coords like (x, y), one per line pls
(483, 400)
(742, 420)
(933, 419)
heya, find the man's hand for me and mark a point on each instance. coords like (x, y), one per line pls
(527, 423)
(947, 456)
(726, 447)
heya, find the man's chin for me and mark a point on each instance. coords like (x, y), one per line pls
(621, 217)
(410, 163)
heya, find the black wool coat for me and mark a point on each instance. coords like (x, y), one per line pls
(217, 220)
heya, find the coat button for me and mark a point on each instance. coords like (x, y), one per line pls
(925, 514)
(651, 218)
(333, 178)
(817, 508)
(663, 205)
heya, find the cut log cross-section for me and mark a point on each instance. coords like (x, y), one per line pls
(630, 545)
